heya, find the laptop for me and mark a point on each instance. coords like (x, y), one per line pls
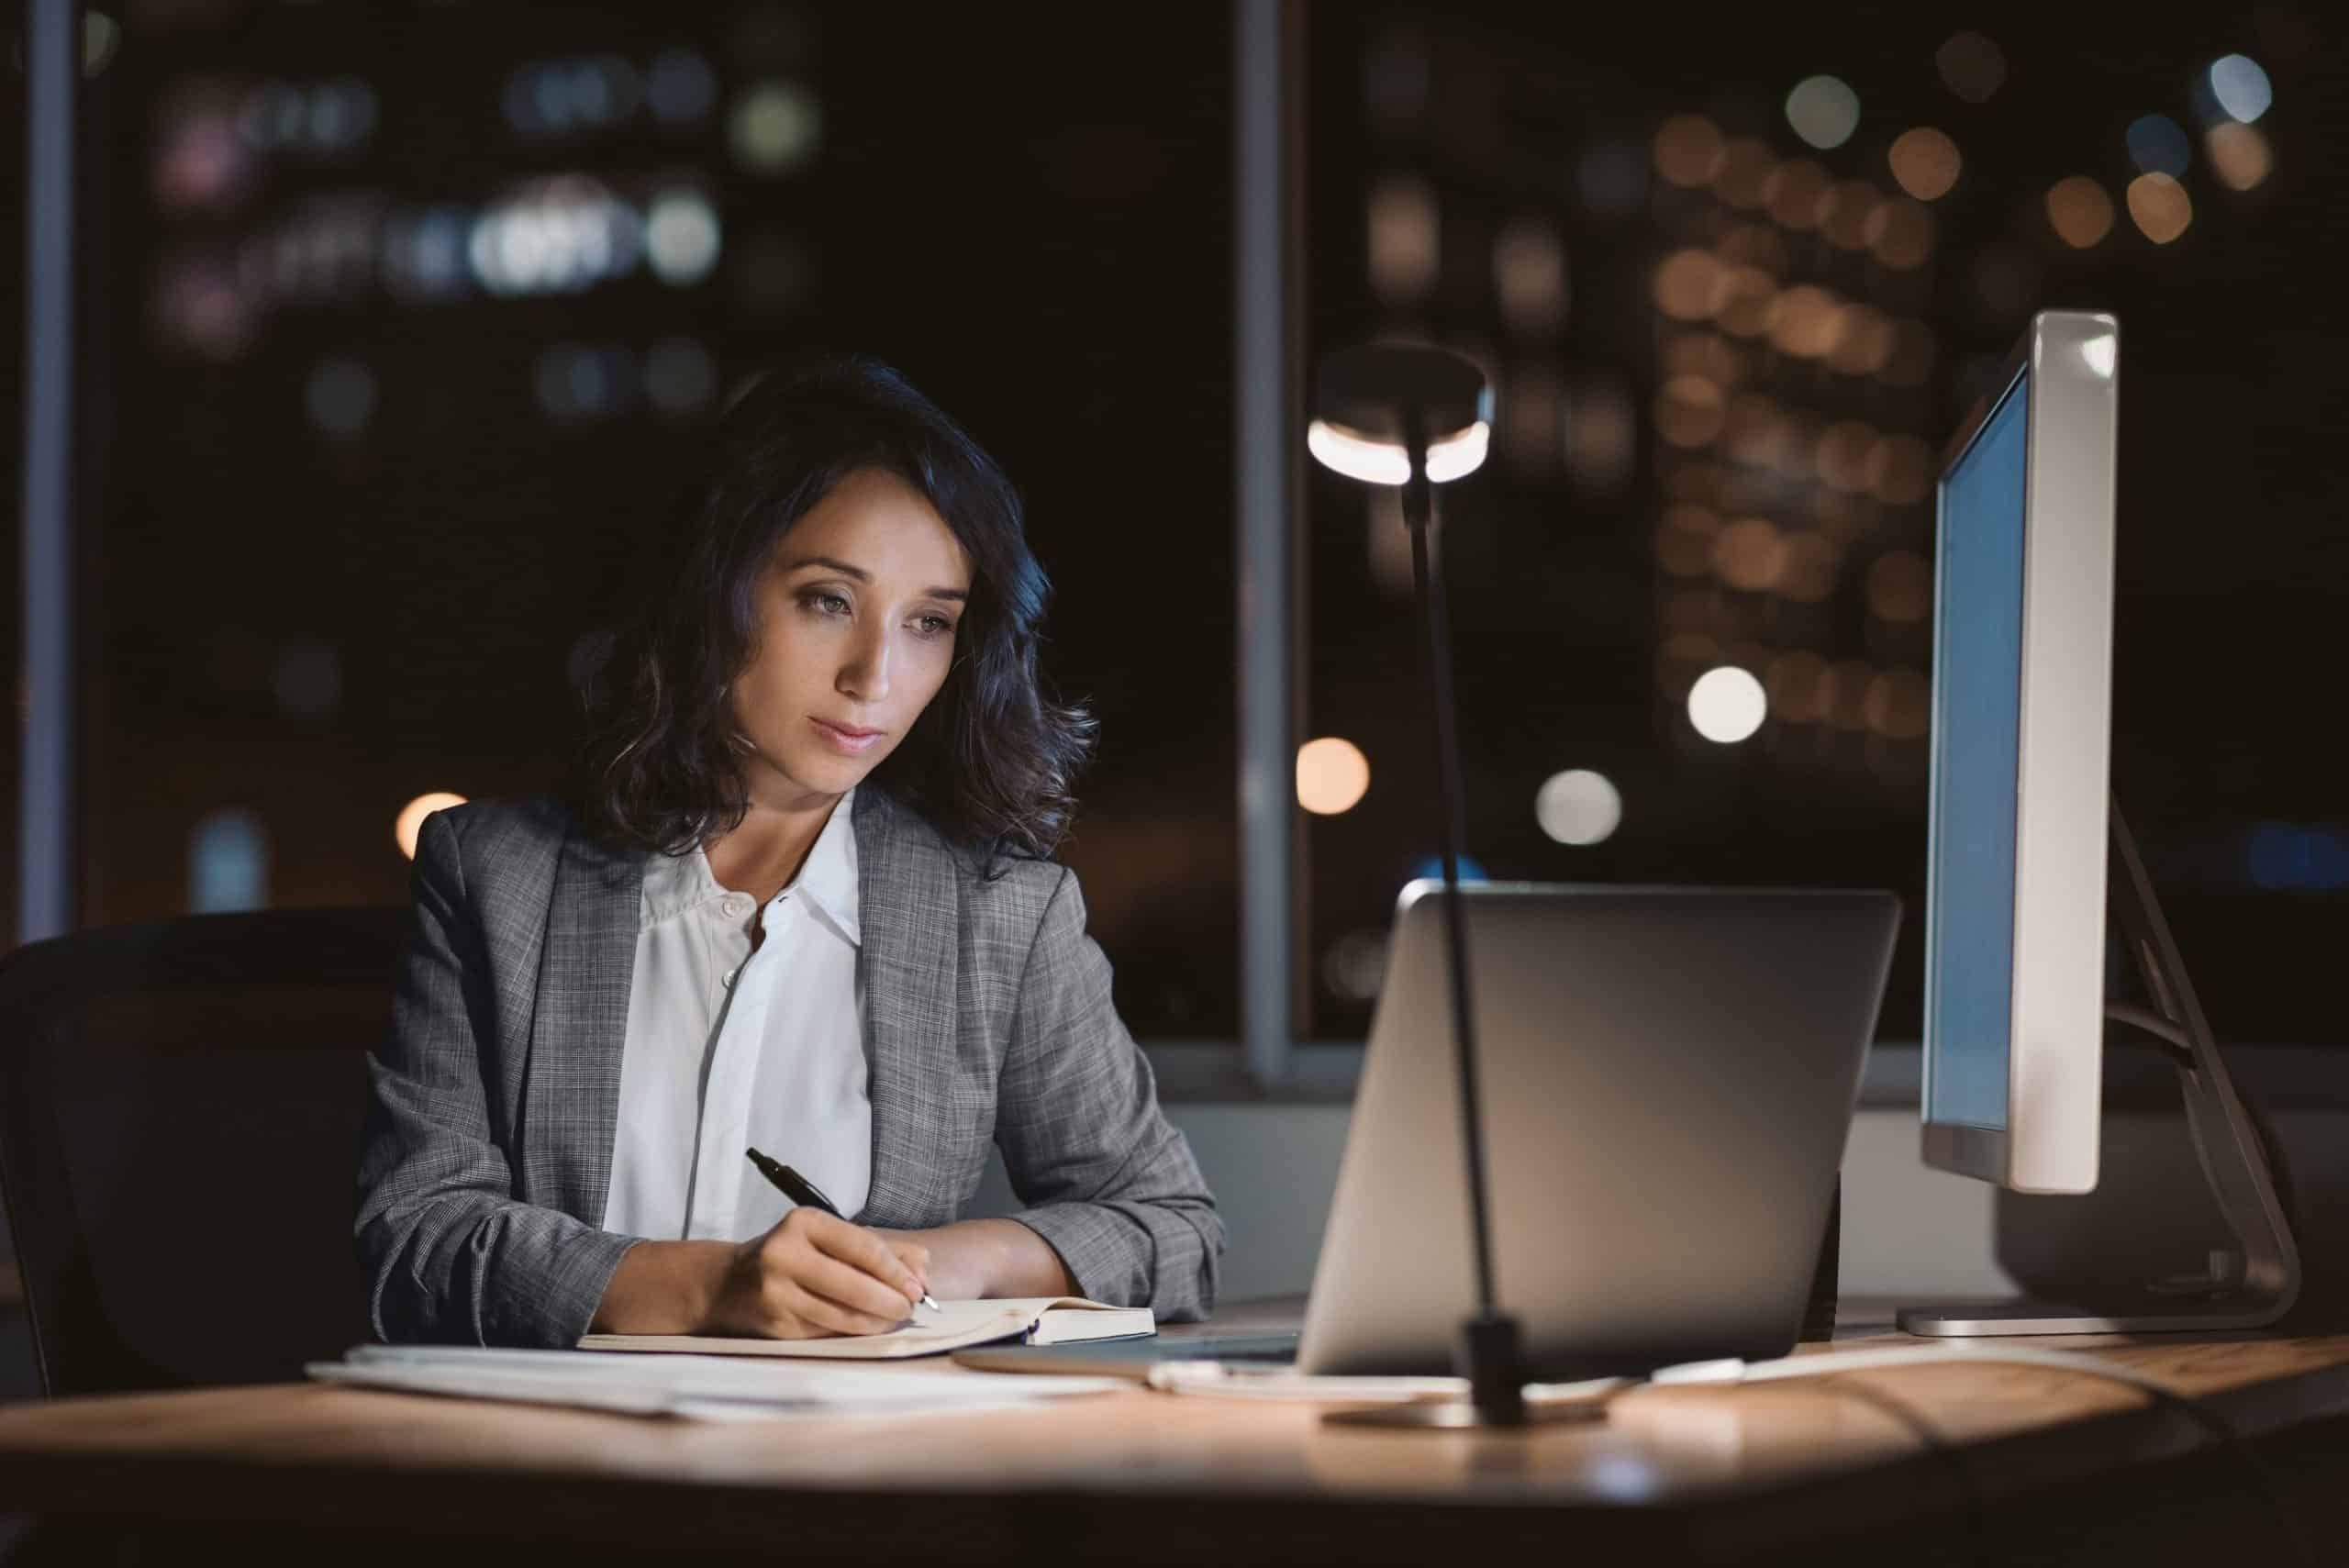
(1668, 1078)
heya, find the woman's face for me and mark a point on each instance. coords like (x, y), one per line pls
(857, 612)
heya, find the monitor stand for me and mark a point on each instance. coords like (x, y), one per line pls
(2249, 1289)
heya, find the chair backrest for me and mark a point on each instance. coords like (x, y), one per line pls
(179, 1108)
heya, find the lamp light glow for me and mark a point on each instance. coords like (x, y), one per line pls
(1458, 456)
(1374, 462)
(1356, 457)
(1372, 403)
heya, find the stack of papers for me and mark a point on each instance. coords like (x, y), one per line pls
(694, 1386)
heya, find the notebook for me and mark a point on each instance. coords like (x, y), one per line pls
(697, 1387)
(956, 1324)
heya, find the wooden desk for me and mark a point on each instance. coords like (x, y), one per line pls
(2052, 1467)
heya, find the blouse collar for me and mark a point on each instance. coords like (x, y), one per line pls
(676, 884)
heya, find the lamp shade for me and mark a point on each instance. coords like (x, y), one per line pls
(1364, 397)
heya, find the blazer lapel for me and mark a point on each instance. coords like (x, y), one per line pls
(908, 909)
(571, 1103)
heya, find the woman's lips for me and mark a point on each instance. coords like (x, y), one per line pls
(851, 742)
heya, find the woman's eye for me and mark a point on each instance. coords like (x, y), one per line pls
(825, 603)
(934, 626)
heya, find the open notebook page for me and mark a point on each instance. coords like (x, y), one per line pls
(956, 1324)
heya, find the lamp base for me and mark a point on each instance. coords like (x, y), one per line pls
(1461, 1415)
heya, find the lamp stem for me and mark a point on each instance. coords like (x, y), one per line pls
(1488, 1344)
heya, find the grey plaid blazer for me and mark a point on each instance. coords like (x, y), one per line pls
(493, 1102)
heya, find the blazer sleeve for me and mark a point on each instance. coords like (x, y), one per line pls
(448, 1254)
(1107, 1182)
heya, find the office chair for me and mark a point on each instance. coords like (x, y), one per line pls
(179, 1108)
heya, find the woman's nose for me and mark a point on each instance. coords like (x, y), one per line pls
(865, 676)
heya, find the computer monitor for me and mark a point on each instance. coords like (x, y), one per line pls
(2021, 722)
(2022, 829)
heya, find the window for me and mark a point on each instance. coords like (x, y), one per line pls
(407, 322)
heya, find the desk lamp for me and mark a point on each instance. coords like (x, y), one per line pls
(1416, 418)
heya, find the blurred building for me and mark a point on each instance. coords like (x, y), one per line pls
(400, 319)
(1734, 278)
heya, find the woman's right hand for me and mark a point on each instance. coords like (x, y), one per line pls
(816, 1274)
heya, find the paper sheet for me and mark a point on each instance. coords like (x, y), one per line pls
(954, 1326)
(698, 1388)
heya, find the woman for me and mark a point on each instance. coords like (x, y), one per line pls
(803, 904)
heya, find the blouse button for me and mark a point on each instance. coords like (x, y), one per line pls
(737, 905)
(727, 979)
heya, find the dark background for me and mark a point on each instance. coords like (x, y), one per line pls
(1024, 211)
(1029, 209)
(2232, 568)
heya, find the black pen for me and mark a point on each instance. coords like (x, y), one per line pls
(808, 1195)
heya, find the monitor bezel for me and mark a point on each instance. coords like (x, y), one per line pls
(2055, 1029)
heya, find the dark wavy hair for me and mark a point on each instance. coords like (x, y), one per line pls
(990, 763)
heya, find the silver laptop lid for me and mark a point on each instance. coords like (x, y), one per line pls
(1668, 1078)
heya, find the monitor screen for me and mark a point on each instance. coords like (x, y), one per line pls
(1977, 701)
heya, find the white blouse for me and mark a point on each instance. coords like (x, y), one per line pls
(729, 1049)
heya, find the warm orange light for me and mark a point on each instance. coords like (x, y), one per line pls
(1925, 162)
(1704, 354)
(1750, 555)
(2239, 154)
(2160, 206)
(2078, 211)
(1744, 174)
(1745, 310)
(1333, 776)
(1691, 285)
(1900, 232)
(410, 821)
(1794, 194)
(1805, 322)
(1843, 214)
(1688, 150)
(1688, 412)
(1862, 340)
